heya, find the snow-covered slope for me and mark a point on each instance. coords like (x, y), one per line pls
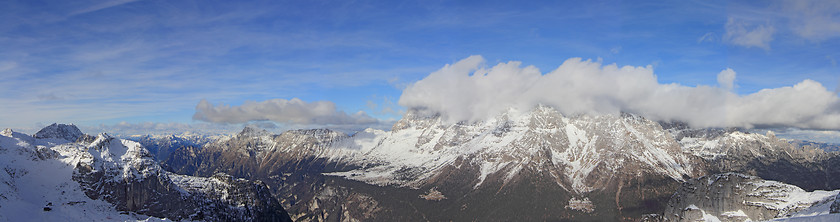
(105, 178)
(35, 187)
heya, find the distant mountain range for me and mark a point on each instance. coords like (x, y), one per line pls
(518, 166)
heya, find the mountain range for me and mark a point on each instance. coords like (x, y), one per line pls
(520, 165)
(61, 174)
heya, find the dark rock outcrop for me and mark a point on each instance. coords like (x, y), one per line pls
(124, 174)
(738, 197)
(60, 131)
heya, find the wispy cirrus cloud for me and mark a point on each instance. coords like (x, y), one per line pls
(128, 59)
(100, 6)
(813, 19)
(750, 26)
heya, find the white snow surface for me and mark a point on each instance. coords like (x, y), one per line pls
(28, 183)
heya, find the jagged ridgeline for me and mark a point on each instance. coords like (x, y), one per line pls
(61, 174)
(521, 165)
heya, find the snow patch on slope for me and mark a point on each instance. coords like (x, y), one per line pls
(35, 189)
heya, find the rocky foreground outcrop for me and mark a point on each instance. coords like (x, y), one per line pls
(739, 197)
(124, 174)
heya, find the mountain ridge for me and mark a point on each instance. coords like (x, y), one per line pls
(608, 167)
(106, 177)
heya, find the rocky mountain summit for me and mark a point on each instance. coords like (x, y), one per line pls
(60, 131)
(161, 146)
(84, 177)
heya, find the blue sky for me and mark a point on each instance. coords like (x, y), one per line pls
(124, 62)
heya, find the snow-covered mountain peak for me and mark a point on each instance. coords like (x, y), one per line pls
(7, 132)
(321, 135)
(110, 147)
(60, 131)
(20, 136)
(249, 131)
(540, 140)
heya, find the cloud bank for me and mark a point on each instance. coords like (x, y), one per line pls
(294, 111)
(156, 128)
(468, 91)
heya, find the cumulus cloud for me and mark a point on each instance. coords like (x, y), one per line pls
(469, 91)
(294, 111)
(743, 34)
(726, 79)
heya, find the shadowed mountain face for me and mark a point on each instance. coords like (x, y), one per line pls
(161, 146)
(534, 165)
(59, 131)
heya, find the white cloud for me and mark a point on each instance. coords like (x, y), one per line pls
(6, 66)
(615, 50)
(726, 79)
(813, 20)
(154, 128)
(467, 90)
(748, 35)
(708, 37)
(820, 136)
(100, 6)
(371, 105)
(294, 111)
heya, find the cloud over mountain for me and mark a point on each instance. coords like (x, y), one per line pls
(294, 111)
(468, 90)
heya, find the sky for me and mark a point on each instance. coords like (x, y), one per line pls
(199, 65)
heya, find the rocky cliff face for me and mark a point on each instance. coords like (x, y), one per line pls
(767, 157)
(60, 131)
(123, 174)
(258, 154)
(290, 163)
(161, 146)
(738, 197)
